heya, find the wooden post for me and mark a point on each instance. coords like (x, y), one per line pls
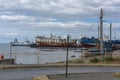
(67, 56)
(110, 39)
(10, 51)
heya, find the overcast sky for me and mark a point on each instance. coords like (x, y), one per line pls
(25, 19)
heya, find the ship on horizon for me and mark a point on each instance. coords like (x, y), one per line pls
(25, 43)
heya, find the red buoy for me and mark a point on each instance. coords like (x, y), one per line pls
(1, 56)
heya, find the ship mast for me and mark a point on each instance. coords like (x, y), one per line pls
(101, 31)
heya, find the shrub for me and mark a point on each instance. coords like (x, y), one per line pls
(109, 59)
(75, 61)
(117, 59)
(94, 60)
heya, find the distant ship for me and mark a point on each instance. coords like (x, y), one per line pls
(17, 43)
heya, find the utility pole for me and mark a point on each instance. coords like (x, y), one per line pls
(83, 55)
(99, 37)
(110, 31)
(101, 33)
(110, 39)
(10, 52)
(67, 56)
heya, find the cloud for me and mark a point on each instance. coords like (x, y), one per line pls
(71, 9)
(60, 16)
(63, 24)
(24, 1)
(15, 17)
(11, 34)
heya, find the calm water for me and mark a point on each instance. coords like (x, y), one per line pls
(27, 55)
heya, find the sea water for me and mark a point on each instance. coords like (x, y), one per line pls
(28, 55)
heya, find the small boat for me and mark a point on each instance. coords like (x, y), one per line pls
(73, 56)
(21, 44)
(77, 50)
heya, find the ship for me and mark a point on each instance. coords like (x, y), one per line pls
(95, 43)
(25, 43)
(53, 41)
(115, 44)
(89, 42)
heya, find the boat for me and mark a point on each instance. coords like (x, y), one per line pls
(89, 42)
(17, 43)
(42, 41)
(72, 56)
(115, 44)
(78, 50)
(94, 42)
(21, 44)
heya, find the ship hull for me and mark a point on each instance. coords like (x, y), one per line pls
(88, 45)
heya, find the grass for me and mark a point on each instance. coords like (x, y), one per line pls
(106, 60)
(76, 61)
(94, 60)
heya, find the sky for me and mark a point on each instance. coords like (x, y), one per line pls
(26, 19)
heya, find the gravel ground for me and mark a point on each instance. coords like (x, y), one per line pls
(85, 76)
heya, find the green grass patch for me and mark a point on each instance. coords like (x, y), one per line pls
(94, 60)
(106, 60)
(76, 61)
(117, 59)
